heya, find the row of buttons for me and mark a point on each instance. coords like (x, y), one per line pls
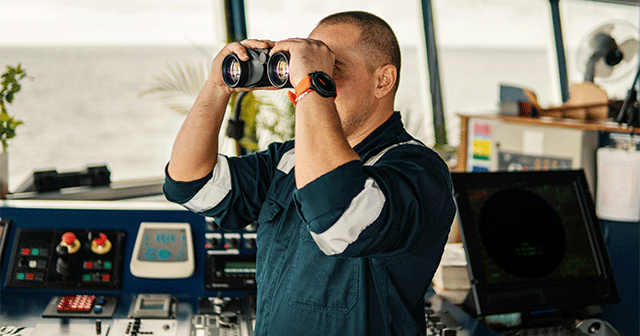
(96, 277)
(214, 241)
(97, 265)
(41, 252)
(38, 276)
(32, 263)
(87, 277)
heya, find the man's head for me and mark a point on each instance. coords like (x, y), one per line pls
(377, 42)
(367, 65)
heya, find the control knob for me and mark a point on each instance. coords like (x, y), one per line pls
(101, 244)
(71, 242)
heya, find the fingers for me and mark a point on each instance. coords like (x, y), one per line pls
(292, 43)
(240, 48)
(306, 56)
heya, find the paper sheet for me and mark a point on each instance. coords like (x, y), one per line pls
(618, 194)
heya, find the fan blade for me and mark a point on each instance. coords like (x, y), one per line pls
(629, 49)
(603, 70)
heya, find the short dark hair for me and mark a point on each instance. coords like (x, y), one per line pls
(376, 37)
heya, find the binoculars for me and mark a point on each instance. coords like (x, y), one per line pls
(259, 71)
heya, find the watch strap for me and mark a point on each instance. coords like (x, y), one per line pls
(301, 90)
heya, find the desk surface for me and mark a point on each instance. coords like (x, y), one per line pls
(24, 309)
(603, 126)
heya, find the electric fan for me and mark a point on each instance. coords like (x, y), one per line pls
(609, 52)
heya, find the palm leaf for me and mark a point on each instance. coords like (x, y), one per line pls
(179, 82)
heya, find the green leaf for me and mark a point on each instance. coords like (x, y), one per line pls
(10, 86)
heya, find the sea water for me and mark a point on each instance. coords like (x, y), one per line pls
(83, 106)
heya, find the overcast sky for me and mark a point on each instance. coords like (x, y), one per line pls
(459, 22)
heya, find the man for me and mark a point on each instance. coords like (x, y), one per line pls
(353, 214)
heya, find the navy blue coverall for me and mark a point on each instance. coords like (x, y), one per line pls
(352, 252)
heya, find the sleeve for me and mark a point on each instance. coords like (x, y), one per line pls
(396, 206)
(233, 192)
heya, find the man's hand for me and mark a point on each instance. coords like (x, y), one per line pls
(240, 49)
(195, 149)
(306, 56)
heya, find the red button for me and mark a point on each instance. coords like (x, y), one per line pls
(30, 276)
(26, 251)
(88, 264)
(106, 277)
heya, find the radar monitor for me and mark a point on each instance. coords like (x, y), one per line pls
(533, 242)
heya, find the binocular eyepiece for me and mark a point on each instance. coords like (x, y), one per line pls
(259, 71)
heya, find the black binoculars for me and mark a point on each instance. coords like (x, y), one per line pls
(259, 71)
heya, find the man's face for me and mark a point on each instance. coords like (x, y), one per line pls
(354, 82)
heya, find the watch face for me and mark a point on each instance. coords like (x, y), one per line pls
(324, 84)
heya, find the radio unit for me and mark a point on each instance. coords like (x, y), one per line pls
(230, 271)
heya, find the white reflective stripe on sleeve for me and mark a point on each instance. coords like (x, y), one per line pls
(214, 190)
(372, 160)
(362, 212)
(287, 161)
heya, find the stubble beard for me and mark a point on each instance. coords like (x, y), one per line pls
(352, 124)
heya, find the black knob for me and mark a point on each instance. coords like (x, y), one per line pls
(62, 251)
(63, 267)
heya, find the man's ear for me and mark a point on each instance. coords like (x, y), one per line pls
(387, 75)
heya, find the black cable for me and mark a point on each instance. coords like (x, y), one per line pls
(631, 120)
(235, 129)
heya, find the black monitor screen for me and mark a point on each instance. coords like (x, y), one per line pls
(533, 241)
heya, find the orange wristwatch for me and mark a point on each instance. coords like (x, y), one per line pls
(317, 81)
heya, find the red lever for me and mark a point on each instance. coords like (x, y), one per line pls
(102, 238)
(68, 238)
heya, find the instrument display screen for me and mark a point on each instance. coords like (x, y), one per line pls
(163, 245)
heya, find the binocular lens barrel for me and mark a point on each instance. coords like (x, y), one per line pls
(259, 71)
(278, 70)
(251, 73)
(234, 71)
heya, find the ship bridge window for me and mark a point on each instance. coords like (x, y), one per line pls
(90, 60)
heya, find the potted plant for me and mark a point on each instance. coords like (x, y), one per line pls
(10, 85)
